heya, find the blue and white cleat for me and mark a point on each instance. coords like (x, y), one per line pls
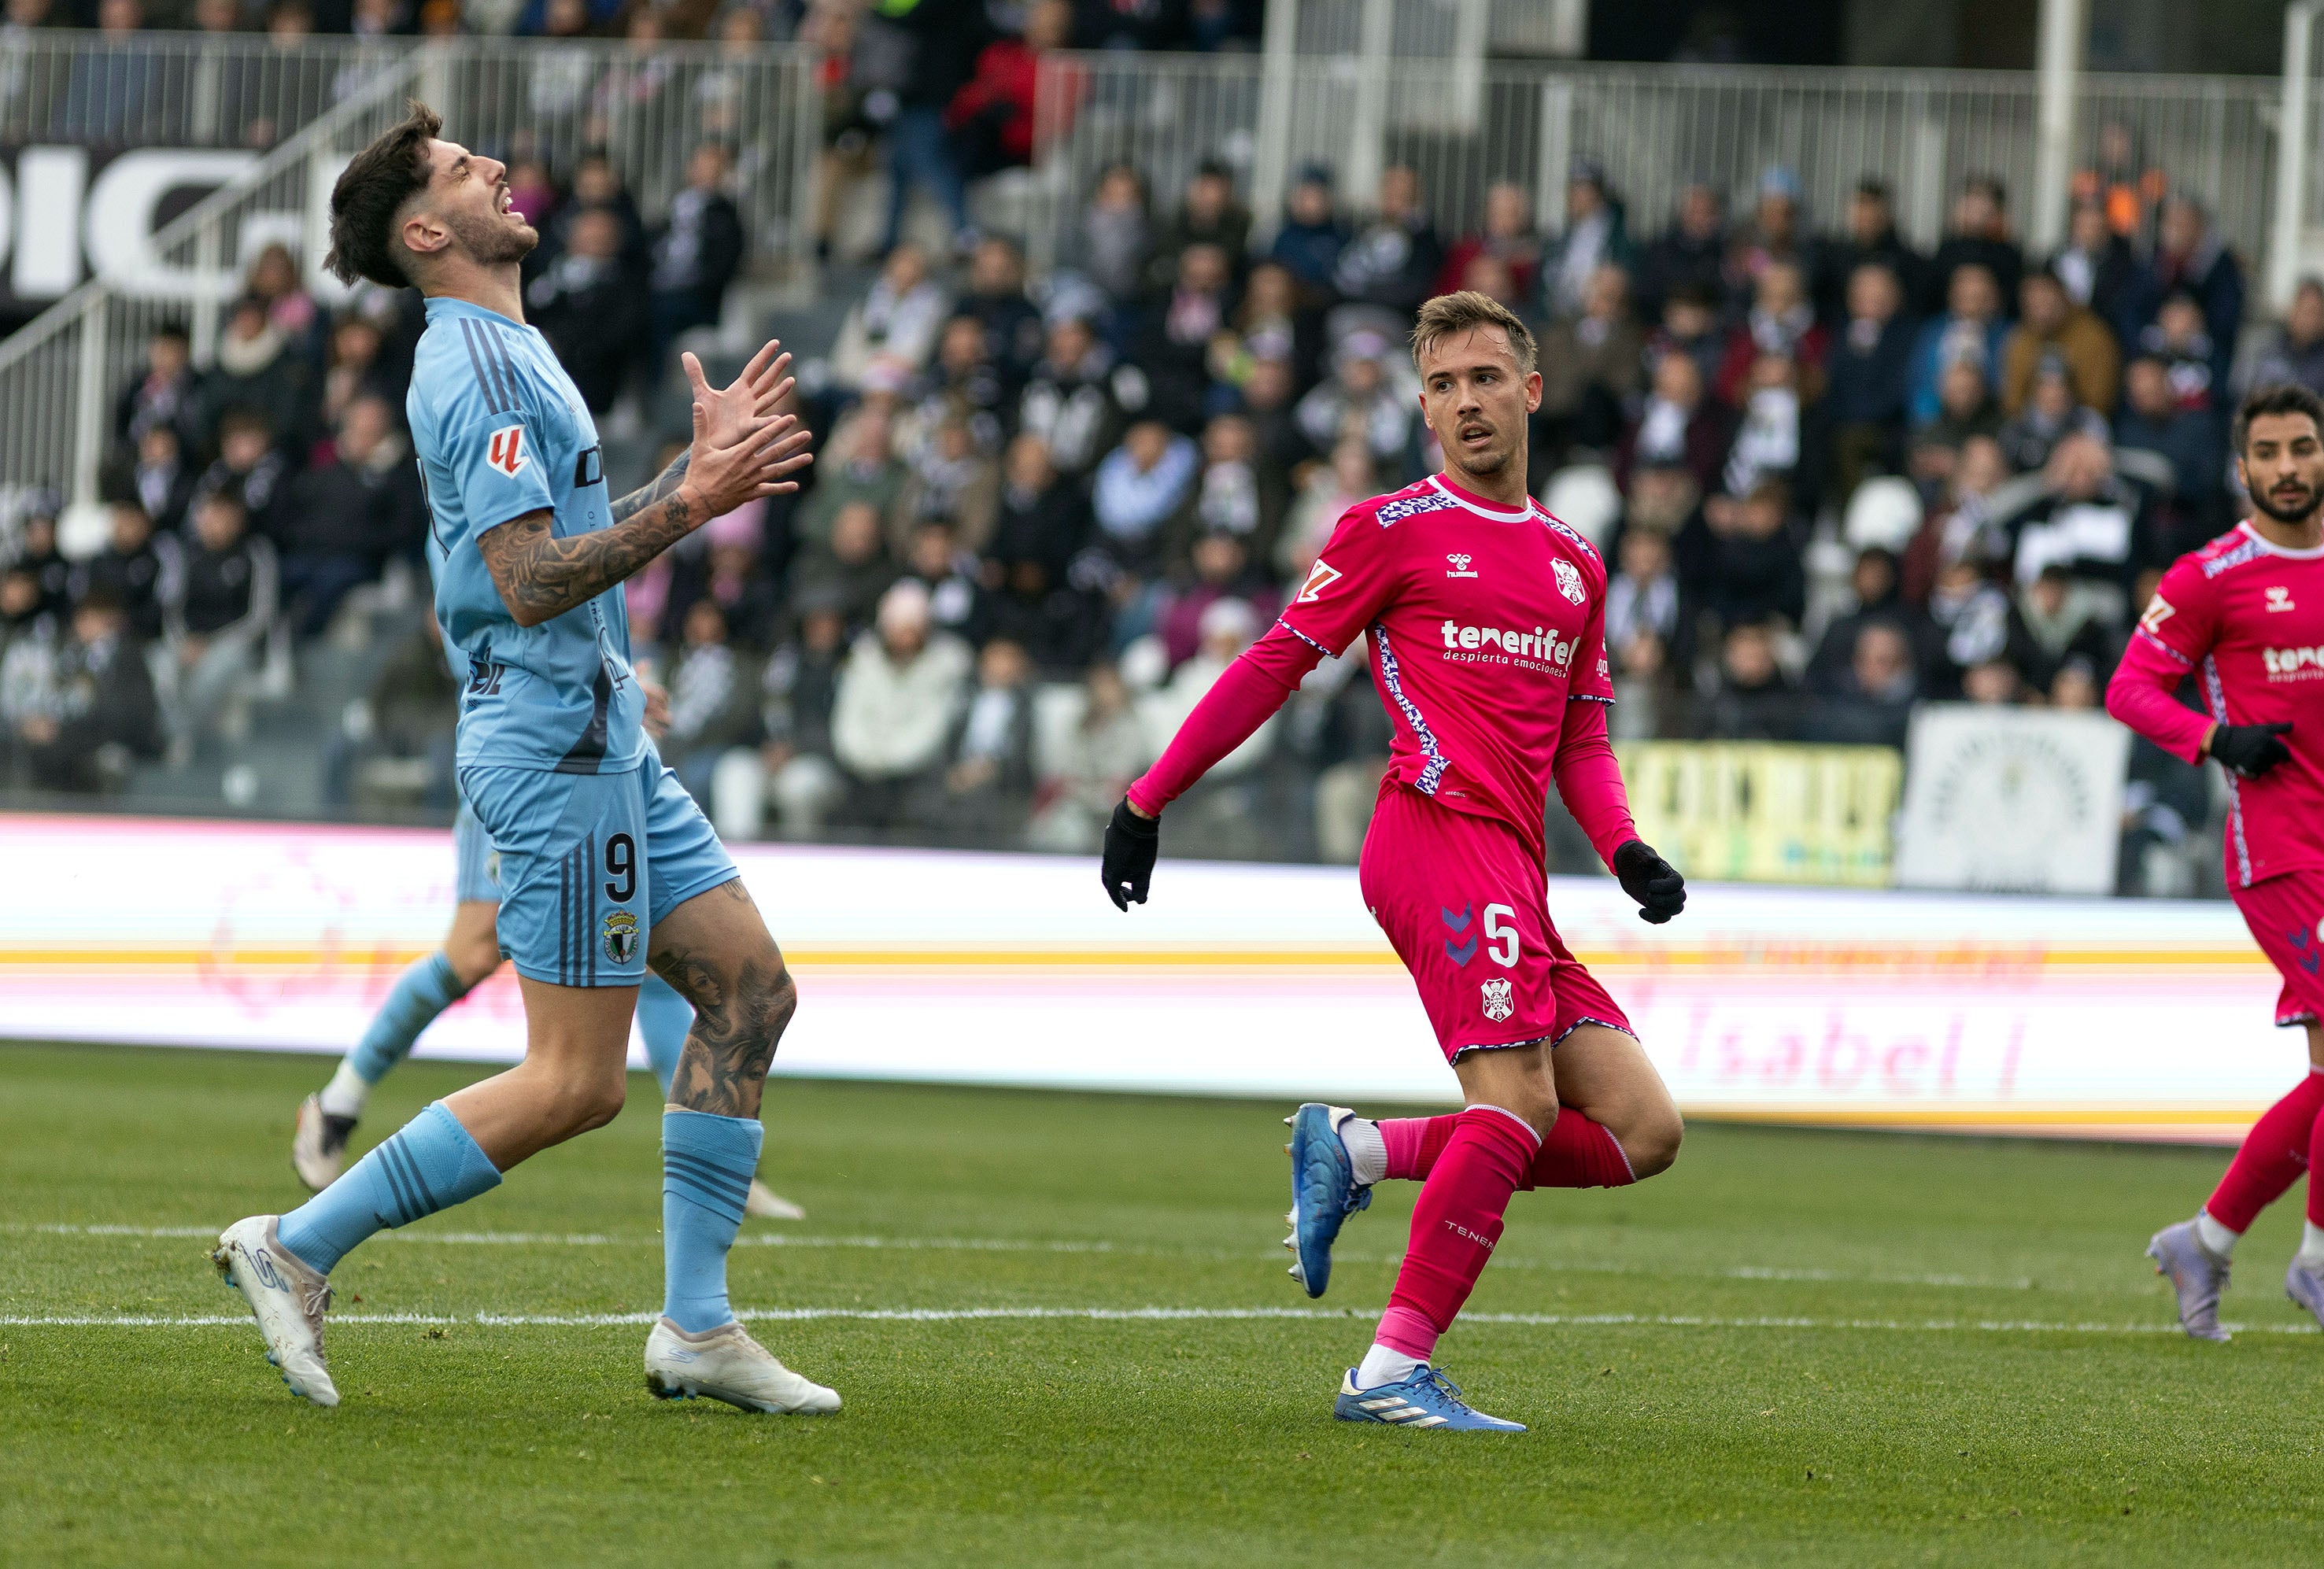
(1324, 1191)
(2196, 1273)
(287, 1298)
(1427, 1399)
(2306, 1287)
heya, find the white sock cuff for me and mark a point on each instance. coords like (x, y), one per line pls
(2213, 1235)
(2311, 1246)
(1367, 1150)
(344, 1094)
(1512, 1116)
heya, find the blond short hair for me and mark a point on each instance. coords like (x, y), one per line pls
(1451, 315)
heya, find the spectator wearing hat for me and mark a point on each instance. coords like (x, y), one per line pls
(1869, 379)
(1979, 236)
(2050, 325)
(1970, 330)
(1311, 235)
(1690, 254)
(2293, 350)
(1208, 214)
(1393, 259)
(1595, 234)
(1507, 235)
(1361, 398)
(1871, 238)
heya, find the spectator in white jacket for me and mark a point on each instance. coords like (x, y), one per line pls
(898, 698)
(894, 327)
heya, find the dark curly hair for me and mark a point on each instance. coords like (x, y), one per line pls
(372, 191)
(2276, 398)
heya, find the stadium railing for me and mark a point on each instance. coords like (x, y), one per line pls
(1654, 128)
(59, 375)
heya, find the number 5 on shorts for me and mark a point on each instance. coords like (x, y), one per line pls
(1504, 937)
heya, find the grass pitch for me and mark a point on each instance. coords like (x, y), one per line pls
(1795, 1348)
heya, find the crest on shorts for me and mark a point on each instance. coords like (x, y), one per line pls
(620, 936)
(1498, 1005)
(1569, 579)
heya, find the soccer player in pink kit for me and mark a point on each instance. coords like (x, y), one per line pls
(1485, 620)
(2245, 615)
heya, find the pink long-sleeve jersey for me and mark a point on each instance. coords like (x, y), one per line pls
(1486, 627)
(2247, 618)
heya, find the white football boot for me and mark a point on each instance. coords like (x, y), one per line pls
(286, 1297)
(727, 1364)
(318, 1145)
(768, 1205)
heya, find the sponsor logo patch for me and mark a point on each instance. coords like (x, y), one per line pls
(2294, 664)
(504, 450)
(620, 936)
(1542, 645)
(1320, 576)
(2158, 611)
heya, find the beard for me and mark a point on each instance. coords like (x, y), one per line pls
(489, 241)
(2290, 512)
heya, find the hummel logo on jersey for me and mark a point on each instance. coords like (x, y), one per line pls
(2278, 599)
(1320, 576)
(1569, 580)
(506, 450)
(1460, 565)
(2302, 664)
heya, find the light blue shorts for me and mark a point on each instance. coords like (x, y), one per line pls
(479, 878)
(589, 862)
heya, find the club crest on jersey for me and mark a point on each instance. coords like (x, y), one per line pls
(1569, 580)
(620, 936)
(2278, 599)
(1320, 576)
(506, 450)
(1498, 1003)
(1457, 564)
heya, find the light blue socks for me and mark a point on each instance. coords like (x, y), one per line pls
(430, 1164)
(706, 1162)
(663, 1019)
(422, 991)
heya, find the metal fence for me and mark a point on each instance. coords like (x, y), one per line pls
(59, 375)
(1655, 128)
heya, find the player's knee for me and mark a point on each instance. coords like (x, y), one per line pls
(1651, 1142)
(583, 1101)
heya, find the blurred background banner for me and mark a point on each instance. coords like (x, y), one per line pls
(1765, 812)
(2013, 800)
(1817, 1006)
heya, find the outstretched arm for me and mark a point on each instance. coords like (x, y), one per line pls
(1246, 696)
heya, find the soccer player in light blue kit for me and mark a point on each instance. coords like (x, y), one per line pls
(471, 953)
(603, 859)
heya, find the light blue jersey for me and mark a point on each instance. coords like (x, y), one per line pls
(502, 431)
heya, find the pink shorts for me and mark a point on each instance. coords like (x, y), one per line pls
(1466, 906)
(2286, 914)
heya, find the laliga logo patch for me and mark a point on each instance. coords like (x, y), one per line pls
(1320, 576)
(506, 450)
(1498, 1005)
(1569, 579)
(620, 936)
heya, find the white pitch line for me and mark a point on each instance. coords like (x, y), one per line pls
(1151, 1315)
(1039, 1245)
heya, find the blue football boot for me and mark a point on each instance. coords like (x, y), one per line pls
(1427, 1399)
(1323, 1192)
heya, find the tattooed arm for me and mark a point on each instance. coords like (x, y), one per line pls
(665, 484)
(541, 577)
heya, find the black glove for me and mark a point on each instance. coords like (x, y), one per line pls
(1131, 843)
(1653, 881)
(2249, 750)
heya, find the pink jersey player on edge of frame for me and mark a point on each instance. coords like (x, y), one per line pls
(2245, 617)
(1486, 622)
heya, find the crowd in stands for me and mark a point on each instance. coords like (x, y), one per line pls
(1834, 475)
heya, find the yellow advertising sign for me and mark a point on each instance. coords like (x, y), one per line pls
(1765, 812)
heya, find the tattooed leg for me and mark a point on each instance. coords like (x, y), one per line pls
(715, 950)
